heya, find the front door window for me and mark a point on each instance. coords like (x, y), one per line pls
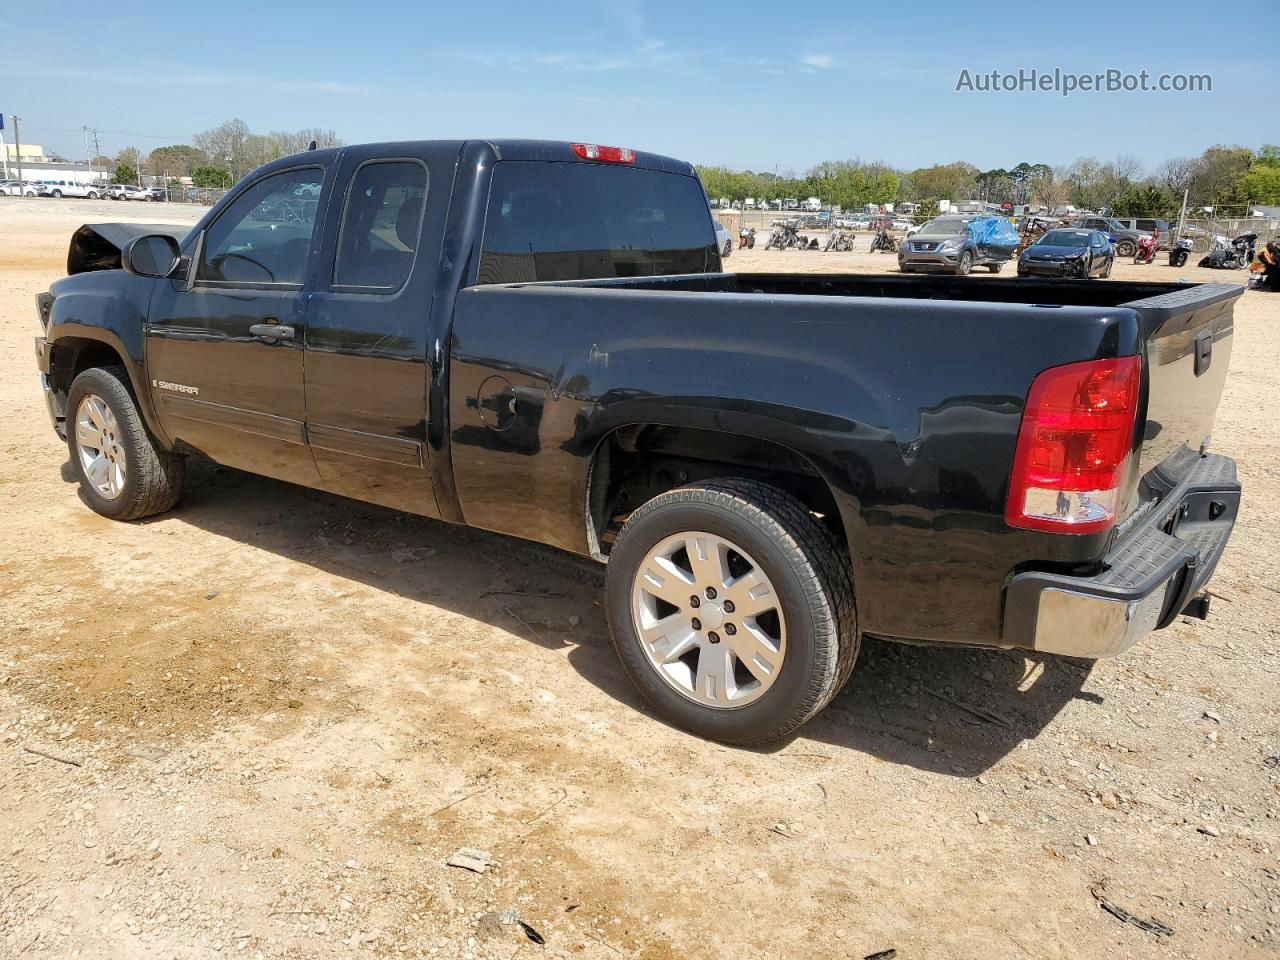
(264, 236)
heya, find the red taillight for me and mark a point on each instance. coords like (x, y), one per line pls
(1073, 446)
(593, 151)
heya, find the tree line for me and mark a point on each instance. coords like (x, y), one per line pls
(217, 157)
(1229, 177)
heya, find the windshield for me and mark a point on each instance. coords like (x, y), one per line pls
(1064, 238)
(944, 225)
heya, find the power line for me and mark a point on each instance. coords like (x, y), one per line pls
(121, 133)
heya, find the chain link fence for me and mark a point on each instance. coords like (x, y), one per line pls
(1201, 230)
(201, 196)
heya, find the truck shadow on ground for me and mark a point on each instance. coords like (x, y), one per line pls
(951, 711)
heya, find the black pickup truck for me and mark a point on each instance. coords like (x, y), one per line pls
(536, 338)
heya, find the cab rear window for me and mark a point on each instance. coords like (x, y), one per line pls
(579, 221)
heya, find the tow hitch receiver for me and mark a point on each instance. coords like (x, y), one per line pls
(1198, 607)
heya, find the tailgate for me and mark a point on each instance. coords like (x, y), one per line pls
(1188, 335)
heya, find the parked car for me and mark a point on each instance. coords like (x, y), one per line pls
(724, 240)
(1068, 253)
(1144, 224)
(19, 188)
(158, 193)
(130, 191)
(771, 465)
(70, 188)
(1126, 238)
(957, 244)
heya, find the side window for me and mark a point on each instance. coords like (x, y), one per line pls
(380, 225)
(264, 236)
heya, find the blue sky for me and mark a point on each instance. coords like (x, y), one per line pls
(748, 84)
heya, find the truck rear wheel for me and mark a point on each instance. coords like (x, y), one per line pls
(731, 608)
(123, 473)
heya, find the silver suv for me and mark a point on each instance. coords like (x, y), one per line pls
(946, 245)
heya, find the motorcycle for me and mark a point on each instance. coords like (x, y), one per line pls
(785, 237)
(780, 238)
(1147, 246)
(884, 242)
(1180, 251)
(747, 239)
(1231, 254)
(839, 241)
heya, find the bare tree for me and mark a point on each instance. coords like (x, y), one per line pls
(225, 145)
(1124, 170)
(1177, 173)
(1050, 189)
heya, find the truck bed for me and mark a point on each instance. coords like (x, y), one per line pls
(904, 393)
(1043, 292)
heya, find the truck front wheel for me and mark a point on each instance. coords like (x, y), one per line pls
(123, 472)
(731, 608)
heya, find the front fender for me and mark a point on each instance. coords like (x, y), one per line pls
(107, 307)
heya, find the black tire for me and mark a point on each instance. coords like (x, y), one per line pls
(56, 194)
(965, 264)
(812, 578)
(1126, 248)
(153, 477)
(994, 267)
(1106, 271)
(1086, 269)
(93, 195)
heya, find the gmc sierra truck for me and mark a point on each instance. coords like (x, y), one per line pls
(537, 339)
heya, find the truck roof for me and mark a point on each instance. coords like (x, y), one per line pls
(519, 149)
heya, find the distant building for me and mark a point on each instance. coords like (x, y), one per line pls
(39, 166)
(29, 153)
(73, 172)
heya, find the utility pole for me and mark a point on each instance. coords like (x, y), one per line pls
(97, 150)
(1182, 214)
(17, 143)
(87, 155)
(4, 151)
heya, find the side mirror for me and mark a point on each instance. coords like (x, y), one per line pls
(1112, 239)
(155, 255)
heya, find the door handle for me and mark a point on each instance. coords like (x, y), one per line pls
(271, 331)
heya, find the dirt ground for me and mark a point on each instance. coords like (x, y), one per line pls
(276, 714)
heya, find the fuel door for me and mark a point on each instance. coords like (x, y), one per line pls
(496, 401)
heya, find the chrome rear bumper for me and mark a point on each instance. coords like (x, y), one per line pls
(1150, 576)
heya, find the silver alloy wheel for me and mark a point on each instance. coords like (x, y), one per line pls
(709, 620)
(98, 443)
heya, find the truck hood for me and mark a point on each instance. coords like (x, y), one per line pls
(97, 246)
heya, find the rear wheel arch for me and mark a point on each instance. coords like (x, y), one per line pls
(634, 463)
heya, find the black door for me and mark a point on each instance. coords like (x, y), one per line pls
(225, 346)
(368, 324)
